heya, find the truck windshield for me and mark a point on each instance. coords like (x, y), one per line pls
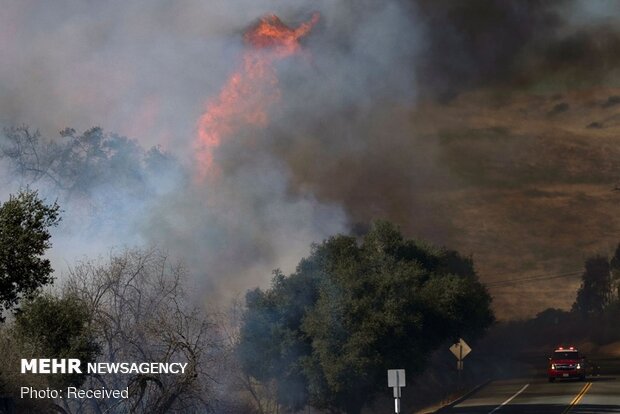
(566, 355)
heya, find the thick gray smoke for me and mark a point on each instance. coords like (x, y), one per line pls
(146, 70)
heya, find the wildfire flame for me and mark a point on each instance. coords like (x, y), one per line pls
(250, 91)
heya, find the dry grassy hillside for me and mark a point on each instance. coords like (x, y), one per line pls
(539, 187)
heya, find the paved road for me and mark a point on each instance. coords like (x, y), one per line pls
(597, 395)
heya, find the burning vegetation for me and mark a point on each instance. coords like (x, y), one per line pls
(248, 94)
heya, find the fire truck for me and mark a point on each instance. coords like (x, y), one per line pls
(566, 362)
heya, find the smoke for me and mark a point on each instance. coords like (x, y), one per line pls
(240, 229)
(484, 43)
(481, 41)
(146, 70)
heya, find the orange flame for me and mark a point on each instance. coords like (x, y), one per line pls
(251, 90)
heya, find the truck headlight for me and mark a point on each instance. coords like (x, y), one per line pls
(552, 366)
(578, 366)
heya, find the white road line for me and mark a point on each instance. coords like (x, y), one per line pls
(510, 399)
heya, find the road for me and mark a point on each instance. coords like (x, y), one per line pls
(597, 395)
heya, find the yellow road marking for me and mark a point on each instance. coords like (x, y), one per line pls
(578, 398)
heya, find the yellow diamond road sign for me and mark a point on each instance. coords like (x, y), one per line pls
(460, 349)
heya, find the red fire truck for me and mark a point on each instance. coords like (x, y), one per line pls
(566, 362)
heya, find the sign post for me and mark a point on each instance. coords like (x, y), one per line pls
(396, 380)
(460, 350)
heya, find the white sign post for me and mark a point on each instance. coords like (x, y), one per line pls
(460, 350)
(396, 380)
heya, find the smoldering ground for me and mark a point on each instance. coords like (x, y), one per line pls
(340, 148)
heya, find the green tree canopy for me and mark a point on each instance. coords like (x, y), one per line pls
(353, 309)
(56, 327)
(596, 287)
(25, 221)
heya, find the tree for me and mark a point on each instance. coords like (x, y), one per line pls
(77, 163)
(328, 332)
(595, 292)
(140, 313)
(57, 327)
(614, 264)
(25, 222)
